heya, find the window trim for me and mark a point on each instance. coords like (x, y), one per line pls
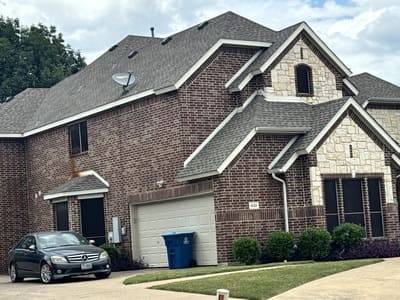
(310, 92)
(79, 125)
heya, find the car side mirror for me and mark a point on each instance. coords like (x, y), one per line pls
(92, 242)
(32, 247)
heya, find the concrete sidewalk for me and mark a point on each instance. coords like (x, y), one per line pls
(372, 282)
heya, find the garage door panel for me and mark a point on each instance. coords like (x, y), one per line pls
(192, 214)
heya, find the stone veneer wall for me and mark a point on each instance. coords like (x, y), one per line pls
(388, 117)
(284, 81)
(333, 157)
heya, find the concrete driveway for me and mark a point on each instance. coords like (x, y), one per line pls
(377, 281)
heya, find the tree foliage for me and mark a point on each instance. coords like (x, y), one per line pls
(34, 56)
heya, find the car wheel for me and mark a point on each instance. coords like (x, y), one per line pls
(14, 274)
(45, 273)
(102, 275)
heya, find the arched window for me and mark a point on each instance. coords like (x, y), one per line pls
(303, 80)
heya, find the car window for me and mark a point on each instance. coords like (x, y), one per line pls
(26, 242)
(60, 239)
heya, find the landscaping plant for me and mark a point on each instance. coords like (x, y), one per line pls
(314, 243)
(246, 250)
(280, 245)
(347, 236)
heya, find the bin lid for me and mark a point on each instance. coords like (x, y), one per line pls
(177, 233)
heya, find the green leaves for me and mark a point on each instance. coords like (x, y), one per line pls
(34, 57)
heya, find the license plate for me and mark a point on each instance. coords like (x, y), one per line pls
(86, 266)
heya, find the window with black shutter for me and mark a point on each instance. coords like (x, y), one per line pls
(78, 138)
(304, 80)
(375, 208)
(331, 206)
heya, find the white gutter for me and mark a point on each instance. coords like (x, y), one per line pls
(285, 205)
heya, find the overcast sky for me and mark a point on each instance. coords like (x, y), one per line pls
(363, 33)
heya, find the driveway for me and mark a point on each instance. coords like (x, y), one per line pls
(377, 281)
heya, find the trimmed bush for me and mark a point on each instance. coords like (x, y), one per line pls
(314, 243)
(246, 250)
(120, 259)
(280, 245)
(374, 249)
(347, 236)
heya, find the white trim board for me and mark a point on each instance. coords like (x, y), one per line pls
(77, 193)
(303, 26)
(243, 68)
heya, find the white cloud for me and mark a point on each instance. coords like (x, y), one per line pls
(363, 33)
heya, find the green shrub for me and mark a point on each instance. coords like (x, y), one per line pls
(348, 236)
(280, 245)
(121, 260)
(314, 243)
(246, 250)
(113, 252)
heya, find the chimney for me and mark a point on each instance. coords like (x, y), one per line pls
(152, 31)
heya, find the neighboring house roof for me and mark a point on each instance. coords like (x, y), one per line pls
(307, 123)
(87, 183)
(156, 67)
(15, 113)
(373, 88)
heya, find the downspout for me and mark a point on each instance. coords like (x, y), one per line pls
(285, 205)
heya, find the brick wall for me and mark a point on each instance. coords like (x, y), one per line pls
(13, 213)
(136, 145)
(246, 179)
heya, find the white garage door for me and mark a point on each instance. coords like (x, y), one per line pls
(185, 215)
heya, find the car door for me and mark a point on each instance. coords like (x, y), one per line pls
(19, 255)
(32, 256)
(26, 256)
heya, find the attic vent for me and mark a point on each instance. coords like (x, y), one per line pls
(166, 40)
(113, 47)
(132, 53)
(202, 25)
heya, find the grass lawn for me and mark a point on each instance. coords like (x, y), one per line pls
(172, 274)
(266, 283)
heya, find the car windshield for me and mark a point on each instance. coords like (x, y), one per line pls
(60, 239)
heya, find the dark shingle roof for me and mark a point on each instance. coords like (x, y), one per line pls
(262, 113)
(155, 66)
(78, 184)
(280, 38)
(370, 86)
(15, 113)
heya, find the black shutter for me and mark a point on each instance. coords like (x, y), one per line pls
(375, 208)
(331, 208)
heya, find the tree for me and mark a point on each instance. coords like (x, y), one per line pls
(34, 56)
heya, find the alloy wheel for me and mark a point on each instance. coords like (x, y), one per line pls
(45, 273)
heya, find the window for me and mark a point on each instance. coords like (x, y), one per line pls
(78, 138)
(61, 210)
(26, 242)
(303, 80)
(346, 201)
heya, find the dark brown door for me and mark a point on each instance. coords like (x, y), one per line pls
(92, 220)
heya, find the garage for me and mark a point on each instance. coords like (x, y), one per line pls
(150, 221)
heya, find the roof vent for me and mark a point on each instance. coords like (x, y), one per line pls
(166, 40)
(113, 47)
(132, 53)
(202, 25)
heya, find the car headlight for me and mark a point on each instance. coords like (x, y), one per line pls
(58, 259)
(104, 255)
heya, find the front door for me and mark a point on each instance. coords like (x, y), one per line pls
(92, 220)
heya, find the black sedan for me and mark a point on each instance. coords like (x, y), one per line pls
(54, 255)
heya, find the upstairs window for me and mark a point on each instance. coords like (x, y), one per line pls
(303, 80)
(78, 138)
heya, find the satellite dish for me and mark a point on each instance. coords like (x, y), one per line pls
(124, 79)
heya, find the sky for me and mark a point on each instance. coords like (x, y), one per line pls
(364, 34)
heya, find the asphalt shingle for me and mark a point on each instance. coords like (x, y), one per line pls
(78, 184)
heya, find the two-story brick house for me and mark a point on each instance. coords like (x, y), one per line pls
(231, 129)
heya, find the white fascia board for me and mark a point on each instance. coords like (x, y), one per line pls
(381, 100)
(165, 89)
(197, 176)
(282, 130)
(90, 112)
(244, 82)
(211, 51)
(94, 173)
(243, 68)
(77, 193)
(91, 196)
(219, 127)
(351, 86)
(290, 99)
(316, 39)
(290, 39)
(396, 159)
(11, 135)
(363, 114)
(283, 151)
(236, 151)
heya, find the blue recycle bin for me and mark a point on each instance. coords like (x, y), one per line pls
(179, 249)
